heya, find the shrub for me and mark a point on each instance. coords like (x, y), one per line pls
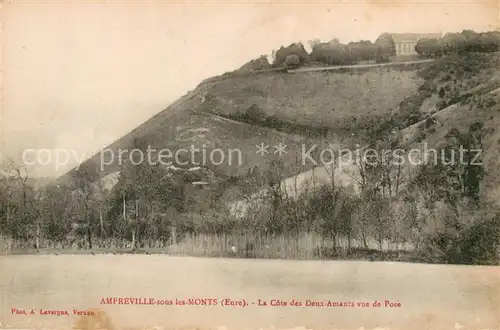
(446, 77)
(362, 51)
(420, 135)
(254, 114)
(429, 122)
(295, 49)
(428, 47)
(466, 41)
(260, 63)
(386, 47)
(332, 54)
(442, 92)
(479, 244)
(441, 105)
(292, 61)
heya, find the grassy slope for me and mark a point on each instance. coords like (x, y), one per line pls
(305, 98)
(482, 74)
(461, 117)
(342, 101)
(183, 130)
(473, 74)
(336, 100)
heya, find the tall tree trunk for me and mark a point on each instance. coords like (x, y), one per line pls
(101, 221)
(89, 223)
(124, 207)
(89, 235)
(174, 235)
(334, 238)
(133, 238)
(363, 236)
(136, 225)
(37, 236)
(398, 179)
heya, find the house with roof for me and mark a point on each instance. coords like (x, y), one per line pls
(406, 42)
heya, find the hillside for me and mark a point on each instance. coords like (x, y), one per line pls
(239, 112)
(315, 107)
(450, 205)
(336, 101)
(272, 201)
(339, 109)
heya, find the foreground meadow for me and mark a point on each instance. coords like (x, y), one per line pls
(431, 296)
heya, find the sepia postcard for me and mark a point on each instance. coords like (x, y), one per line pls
(250, 165)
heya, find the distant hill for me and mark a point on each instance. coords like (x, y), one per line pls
(315, 107)
(259, 123)
(239, 111)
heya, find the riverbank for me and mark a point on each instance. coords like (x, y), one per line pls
(357, 254)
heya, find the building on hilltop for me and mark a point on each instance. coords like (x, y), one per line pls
(406, 42)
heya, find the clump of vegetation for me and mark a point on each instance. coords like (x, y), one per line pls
(333, 53)
(292, 61)
(258, 64)
(336, 53)
(470, 69)
(438, 217)
(459, 66)
(296, 49)
(254, 115)
(466, 41)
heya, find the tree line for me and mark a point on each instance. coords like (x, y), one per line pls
(466, 41)
(336, 53)
(437, 214)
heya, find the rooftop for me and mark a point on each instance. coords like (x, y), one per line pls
(400, 37)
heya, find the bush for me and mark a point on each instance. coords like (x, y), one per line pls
(362, 51)
(466, 41)
(335, 53)
(429, 122)
(446, 77)
(479, 244)
(254, 114)
(260, 63)
(442, 92)
(386, 47)
(293, 49)
(332, 54)
(475, 245)
(420, 135)
(292, 61)
(441, 105)
(428, 47)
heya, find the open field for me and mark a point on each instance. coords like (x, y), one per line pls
(431, 296)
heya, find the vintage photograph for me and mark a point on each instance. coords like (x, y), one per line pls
(250, 165)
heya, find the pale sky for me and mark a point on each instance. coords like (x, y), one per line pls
(80, 75)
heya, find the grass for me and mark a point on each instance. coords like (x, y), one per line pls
(307, 246)
(316, 99)
(345, 102)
